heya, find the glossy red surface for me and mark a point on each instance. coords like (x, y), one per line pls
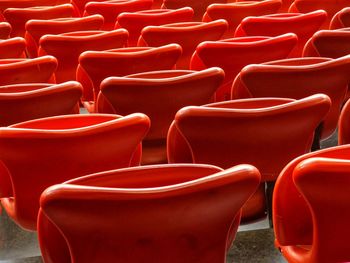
(341, 19)
(165, 213)
(12, 48)
(344, 125)
(5, 30)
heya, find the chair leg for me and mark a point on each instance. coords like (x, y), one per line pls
(270, 186)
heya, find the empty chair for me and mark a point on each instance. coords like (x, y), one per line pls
(74, 44)
(233, 54)
(95, 66)
(159, 95)
(21, 70)
(12, 48)
(341, 19)
(23, 102)
(79, 5)
(5, 30)
(136, 21)
(266, 132)
(316, 232)
(18, 17)
(35, 29)
(303, 25)
(298, 78)
(344, 125)
(111, 9)
(188, 35)
(177, 205)
(233, 13)
(285, 5)
(37, 154)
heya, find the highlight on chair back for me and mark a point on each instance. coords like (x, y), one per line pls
(23, 102)
(12, 48)
(264, 132)
(159, 95)
(134, 22)
(26, 70)
(298, 78)
(74, 44)
(177, 205)
(316, 186)
(5, 30)
(234, 13)
(188, 35)
(341, 19)
(233, 54)
(63, 147)
(303, 25)
(95, 66)
(110, 10)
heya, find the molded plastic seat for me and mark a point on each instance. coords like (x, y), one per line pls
(177, 205)
(40, 153)
(233, 13)
(18, 17)
(35, 29)
(311, 235)
(36, 70)
(285, 5)
(95, 66)
(341, 19)
(136, 21)
(266, 132)
(12, 48)
(23, 102)
(5, 30)
(159, 95)
(233, 54)
(74, 44)
(188, 35)
(298, 78)
(344, 125)
(111, 9)
(303, 25)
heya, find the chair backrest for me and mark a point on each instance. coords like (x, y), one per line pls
(341, 19)
(243, 131)
(5, 30)
(23, 102)
(40, 153)
(110, 10)
(344, 125)
(35, 29)
(188, 35)
(134, 22)
(234, 13)
(303, 25)
(95, 66)
(21, 70)
(233, 54)
(18, 17)
(12, 48)
(171, 90)
(74, 44)
(178, 207)
(298, 78)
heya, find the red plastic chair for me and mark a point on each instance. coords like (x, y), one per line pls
(188, 35)
(285, 5)
(36, 70)
(233, 13)
(233, 54)
(311, 235)
(18, 17)
(267, 133)
(341, 19)
(12, 48)
(43, 152)
(171, 90)
(136, 21)
(5, 30)
(177, 205)
(95, 66)
(330, 6)
(74, 44)
(23, 102)
(303, 25)
(298, 78)
(344, 125)
(111, 9)
(35, 29)
(199, 7)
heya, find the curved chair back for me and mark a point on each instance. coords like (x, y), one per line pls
(40, 153)
(341, 19)
(344, 125)
(74, 44)
(178, 206)
(233, 54)
(5, 30)
(12, 48)
(171, 90)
